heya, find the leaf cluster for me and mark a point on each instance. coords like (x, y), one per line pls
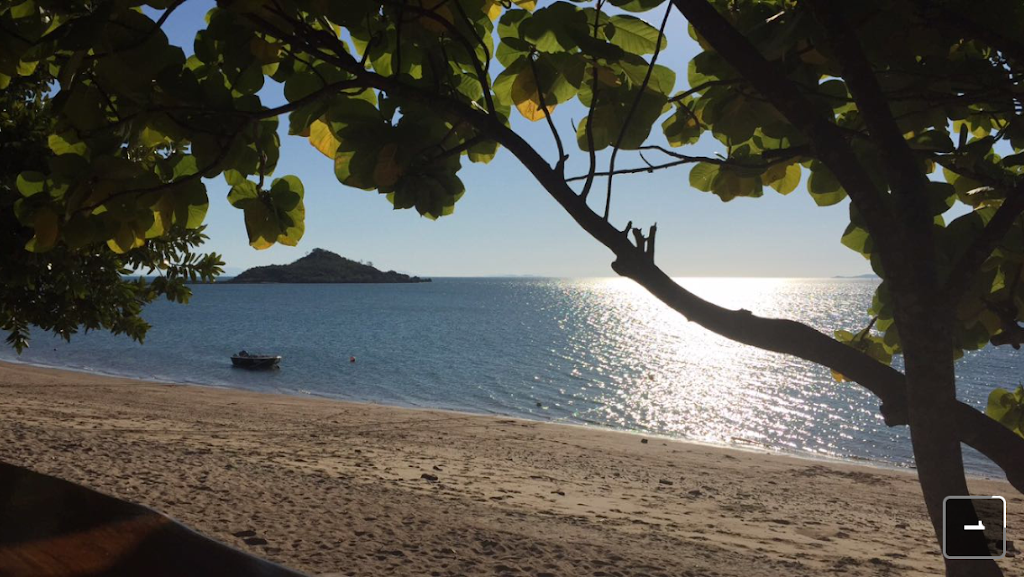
(65, 289)
(1007, 408)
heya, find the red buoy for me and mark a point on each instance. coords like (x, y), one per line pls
(351, 359)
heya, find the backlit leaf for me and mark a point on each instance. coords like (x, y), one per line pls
(322, 139)
(45, 224)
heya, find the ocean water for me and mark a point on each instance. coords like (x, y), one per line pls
(585, 351)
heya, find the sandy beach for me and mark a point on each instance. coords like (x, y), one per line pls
(339, 488)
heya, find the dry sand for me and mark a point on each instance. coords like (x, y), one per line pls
(357, 489)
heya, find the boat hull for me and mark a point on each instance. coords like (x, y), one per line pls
(255, 362)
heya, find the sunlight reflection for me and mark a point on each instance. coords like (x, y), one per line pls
(676, 377)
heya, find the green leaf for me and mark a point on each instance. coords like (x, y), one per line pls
(302, 85)
(784, 178)
(273, 216)
(184, 166)
(67, 143)
(207, 149)
(823, 186)
(702, 176)
(191, 204)
(127, 236)
(634, 35)
(932, 140)
(322, 139)
(682, 127)
(30, 183)
(242, 193)
(636, 5)
(609, 117)
(731, 183)
(662, 79)
(733, 117)
(23, 10)
(1007, 408)
(260, 226)
(941, 197)
(46, 226)
(858, 239)
(84, 108)
(300, 120)
(483, 152)
(286, 196)
(706, 67)
(555, 28)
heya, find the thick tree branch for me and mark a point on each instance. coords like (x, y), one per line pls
(782, 336)
(900, 164)
(827, 140)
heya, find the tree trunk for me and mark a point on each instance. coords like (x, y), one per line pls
(931, 393)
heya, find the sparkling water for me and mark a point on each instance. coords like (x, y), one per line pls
(586, 351)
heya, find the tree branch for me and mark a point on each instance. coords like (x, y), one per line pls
(703, 86)
(157, 26)
(963, 22)
(326, 90)
(998, 443)
(470, 51)
(827, 140)
(560, 165)
(978, 251)
(632, 110)
(967, 266)
(636, 170)
(590, 112)
(899, 161)
(775, 157)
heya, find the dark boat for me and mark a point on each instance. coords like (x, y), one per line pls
(247, 360)
(65, 529)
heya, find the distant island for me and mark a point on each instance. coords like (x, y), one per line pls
(322, 266)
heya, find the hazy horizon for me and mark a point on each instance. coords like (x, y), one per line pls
(230, 271)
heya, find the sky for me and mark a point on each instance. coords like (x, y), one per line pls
(506, 224)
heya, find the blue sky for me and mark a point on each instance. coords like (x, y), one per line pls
(507, 224)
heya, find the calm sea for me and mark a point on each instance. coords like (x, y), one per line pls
(593, 351)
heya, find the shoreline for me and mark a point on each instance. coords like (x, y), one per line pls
(747, 446)
(340, 488)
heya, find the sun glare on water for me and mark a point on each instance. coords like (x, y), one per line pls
(652, 370)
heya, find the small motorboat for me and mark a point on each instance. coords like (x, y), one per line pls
(246, 360)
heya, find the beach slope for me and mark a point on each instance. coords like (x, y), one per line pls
(339, 488)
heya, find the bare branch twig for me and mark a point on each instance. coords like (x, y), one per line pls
(632, 110)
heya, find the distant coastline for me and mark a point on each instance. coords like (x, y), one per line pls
(869, 275)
